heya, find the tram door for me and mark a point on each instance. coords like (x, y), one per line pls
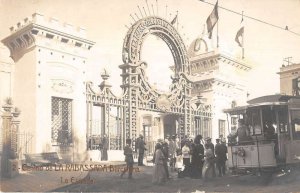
(283, 132)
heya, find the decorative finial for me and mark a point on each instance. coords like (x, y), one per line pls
(105, 74)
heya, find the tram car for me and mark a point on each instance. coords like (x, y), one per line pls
(273, 140)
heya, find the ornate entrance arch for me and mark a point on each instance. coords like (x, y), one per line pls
(138, 93)
(159, 27)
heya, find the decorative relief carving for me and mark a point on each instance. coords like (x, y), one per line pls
(205, 85)
(62, 86)
(163, 103)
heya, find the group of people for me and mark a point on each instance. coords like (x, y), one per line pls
(101, 144)
(198, 161)
(243, 133)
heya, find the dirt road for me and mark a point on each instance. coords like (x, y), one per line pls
(111, 182)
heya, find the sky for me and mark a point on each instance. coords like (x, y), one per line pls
(106, 21)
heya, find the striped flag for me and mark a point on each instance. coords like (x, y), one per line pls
(212, 20)
(240, 35)
(174, 20)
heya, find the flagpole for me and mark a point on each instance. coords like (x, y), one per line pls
(140, 11)
(156, 8)
(166, 11)
(217, 28)
(177, 20)
(243, 49)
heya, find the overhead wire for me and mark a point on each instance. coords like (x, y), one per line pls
(253, 18)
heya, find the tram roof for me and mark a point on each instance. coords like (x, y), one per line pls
(269, 100)
(272, 99)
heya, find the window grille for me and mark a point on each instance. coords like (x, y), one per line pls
(61, 121)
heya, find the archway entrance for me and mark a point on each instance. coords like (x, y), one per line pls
(159, 59)
(170, 124)
(173, 106)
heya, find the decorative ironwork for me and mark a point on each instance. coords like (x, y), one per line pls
(138, 94)
(61, 121)
(115, 142)
(159, 27)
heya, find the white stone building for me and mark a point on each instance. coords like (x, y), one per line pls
(290, 79)
(49, 82)
(220, 79)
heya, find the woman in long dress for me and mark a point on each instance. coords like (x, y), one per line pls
(207, 170)
(197, 157)
(159, 173)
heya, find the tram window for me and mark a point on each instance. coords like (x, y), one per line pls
(234, 121)
(283, 119)
(295, 118)
(255, 123)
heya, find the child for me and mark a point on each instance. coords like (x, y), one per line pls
(128, 159)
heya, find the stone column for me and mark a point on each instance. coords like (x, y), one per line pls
(9, 163)
(15, 123)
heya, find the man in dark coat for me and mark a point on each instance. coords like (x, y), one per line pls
(165, 150)
(243, 133)
(128, 159)
(141, 149)
(221, 157)
(104, 142)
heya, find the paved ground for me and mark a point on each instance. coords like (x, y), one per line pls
(41, 181)
(111, 182)
(108, 180)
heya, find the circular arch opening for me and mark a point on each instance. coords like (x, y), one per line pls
(159, 59)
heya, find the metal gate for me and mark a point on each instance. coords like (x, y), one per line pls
(138, 94)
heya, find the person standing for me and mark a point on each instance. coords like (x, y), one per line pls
(186, 159)
(141, 149)
(172, 152)
(243, 133)
(207, 170)
(136, 149)
(212, 147)
(159, 172)
(178, 146)
(221, 157)
(128, 159)
(197, 157)
(104, 156)
(184, 141)
(165, 150)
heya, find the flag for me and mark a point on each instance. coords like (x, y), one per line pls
(239, 34)
(212, 20)
(174, 20)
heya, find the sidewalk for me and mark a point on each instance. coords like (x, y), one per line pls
(45, 180)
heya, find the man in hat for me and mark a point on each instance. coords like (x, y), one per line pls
(165, 150)
(141, 149)
(104, 156)
(128, 159)
(243, 133)
(211, 146)
(221, 157)
(172, 151)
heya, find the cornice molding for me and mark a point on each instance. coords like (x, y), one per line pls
(30, 33)
(202, 61)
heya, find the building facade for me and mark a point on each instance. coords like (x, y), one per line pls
(49, 83)
(219, 79)
(290, 79)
